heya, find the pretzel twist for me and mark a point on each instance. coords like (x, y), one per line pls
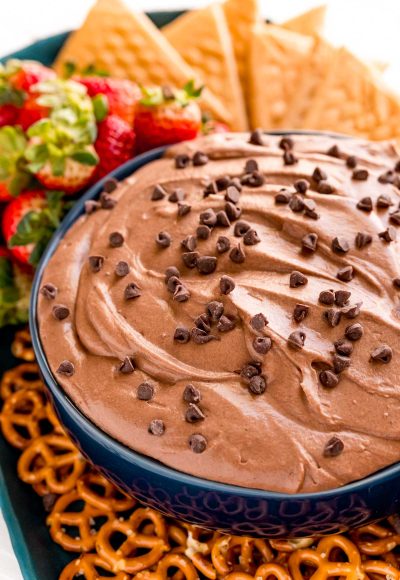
(24, 376)
(89, 567)
(21, 346)
(171, 560)
(272, 569)
(384, 540)
(100, 493)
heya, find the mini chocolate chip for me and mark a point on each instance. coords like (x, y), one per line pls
(49, 501)
(254, 179)
(319, 175)
(182, 161)
(250, 166)
(250, 370)
(309, 242)
(116, 240)
(333, 151)
(383, 202)
(127, 366)
(223, 244)
(222, 182)
(49, 291)
(132, 291)
(340, 363)
(257, 385)
(237, 255)
(172, 283)
(232, 211)
(189, 243)
(177, 195)
(206, 264)
(190, 259)
(286, 143)
(256, 137)
(226, 285)
(396, 283)
(362, 240)
(343, 347)
(365, 204)
(262, 344)
(334, 447)
(382, 353)
(352, 311)
(203, 232)
(296, 339)
(157, 427)
(309, 209)
(342, 297)
(351, 161)
(210, 189)
(389, 235)
(326, 297)
(203, 322)
(200, 336)
(297, 279)
(200, 158)
(171, 271)
(163, 239)
(60, 312)
(387, 177)
(106, 201)
(251, 238)
(300, 312)
(354, 331)
(183, 209)
(360, 174)
(215, 309)
(122, 269)
(66, 368)
(296, 203)
(96, 263)
(325, 188)
(197, 443)
(181, 335)
(395, 218)
(340, 245)
(332, 317)
(158, 193)
(232, 194)
(397, 167)
(241, 228)
(194, 413)
(110, 185)
(258, 321)
(282, 198)
(181, 293)
(289, 158)
(301, 185)
(345, 274)
(208, 217)
(328, 379)
(226, 324)
(91, 206)
(222, 219)
(191, 394)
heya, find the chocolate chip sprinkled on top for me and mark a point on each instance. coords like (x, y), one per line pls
(334, 447)
(232, 211)
(127, 366)
(297, 279)
(132, 291)
(215, 310)
(289, 158)
(49, 291)
(319, 175)
(237, 254)
(333, 151)
(226, 285)
(163, 239)
(365, 204)
(310, 209)
(256, 137)
(325, 188)
(66, 368)
(208, 217)
(210, 189)
(200, 158)
(396, 283)
(206, 264)
(223, 182)
(191, 394)
(177, 195)
(232, 194)
(250, 166)
(183, 209)
(60, 312)
(354, 331)
(190, 259)
(342, 297)
(395, 218)
(182, 335)
(182, 161)
(340, 363)
(296, 203)
(200, 336)
(328, 379)
(309, 242)
(332, 317)
(382, 353)
(340, 245)
(122, 269)
(181, 293)
(286, 143)
(194, 414)
(282, 198)
(389, 235)
(250, 370)
(197, 443)
(172, 283)
(107, 201)
(251, 238)
(170, 272)
(222, 219)
(203, 232)
(362, 240)
(257, 385)
(262, 344)
(91, 206)
(223, 244)
(301, 185)
(360, 174)
(352, 310)
(343, 347)
(189, 243)
(296, 339)
(158, 193)
(383, 202)
(351, 161)
(96, 263)
(110, 185)
(387, 177)
(254, 179)
(258, 321)
(241, 228)
(116, 240)
(300, 312)
(345, 274)
(203, 322)
(157, 427)
(327, 297)
(226, 323)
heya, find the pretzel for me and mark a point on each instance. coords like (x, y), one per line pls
(125, 557)
(89, 567)
(179, 561)
(230, 552)
(21, 346)
(100, 493)
(272, 569)
(324, 566)
(375, 540)
(54, 460)
(24, 376)
(291, 545)
(71, 511)
(381, 569)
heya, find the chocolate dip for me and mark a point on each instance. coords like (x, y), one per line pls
(232, 310)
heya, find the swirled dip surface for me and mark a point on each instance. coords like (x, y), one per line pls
(277, 410)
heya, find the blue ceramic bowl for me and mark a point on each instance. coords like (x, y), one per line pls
(218, 506)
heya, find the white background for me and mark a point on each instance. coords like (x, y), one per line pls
(368, 27)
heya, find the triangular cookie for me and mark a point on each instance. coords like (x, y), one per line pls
(202, 38)
(276, 59)
(128, 45)
(311, 22)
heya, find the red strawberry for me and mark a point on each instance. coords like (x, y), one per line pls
(121, 94)
(8, 115)
(210, 126)
(164, 116)
(29, 73)
(115, 144)
(31, 112)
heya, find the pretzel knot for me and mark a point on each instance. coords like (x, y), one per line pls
(199, 544)
(54, 460)
(21, 346)
(90, 567)
(100, 493)
(179, 561)
(375, 540)
(231, 553)
(74, 523)
(263, 572)
(320, 560)
(24, 376)
(288, 546)
(129, 556)
(381, 569)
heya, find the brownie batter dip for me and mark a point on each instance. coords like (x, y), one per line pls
(232, 310)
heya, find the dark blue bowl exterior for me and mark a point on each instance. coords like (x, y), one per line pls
(216, 506)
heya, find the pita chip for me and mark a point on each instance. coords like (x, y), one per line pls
(310, 23)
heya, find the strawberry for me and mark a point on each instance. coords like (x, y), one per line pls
(28, 73)
(14, 290)
(13, 176)
(115, 144)
(73, 176)
(121, 95)
(29, 221)
(8, 115)
(209, 126)
(164, 116)
(31, 112)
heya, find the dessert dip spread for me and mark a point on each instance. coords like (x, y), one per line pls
(232, 310)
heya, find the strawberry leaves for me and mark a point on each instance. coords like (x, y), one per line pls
(14, 294)
(12, 165)
(156, 96)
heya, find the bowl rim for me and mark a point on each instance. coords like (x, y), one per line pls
(147, 463)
